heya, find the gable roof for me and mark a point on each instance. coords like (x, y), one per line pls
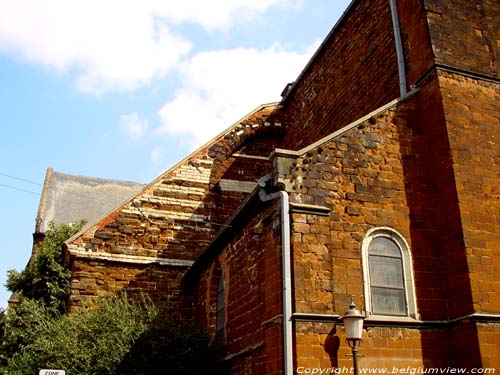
(69, 198)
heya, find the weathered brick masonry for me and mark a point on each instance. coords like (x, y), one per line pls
(248, 254)
(355, 157)
(148, 243)
(354, 73)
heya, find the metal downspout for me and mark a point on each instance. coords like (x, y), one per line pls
(286, 270)
(399, 48)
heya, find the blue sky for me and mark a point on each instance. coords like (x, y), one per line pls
(124, 89)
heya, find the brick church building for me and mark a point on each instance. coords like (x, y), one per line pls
(377, 176)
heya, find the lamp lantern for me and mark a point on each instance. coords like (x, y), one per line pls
(353, 325)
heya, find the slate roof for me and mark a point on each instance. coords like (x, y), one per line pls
(68, 198)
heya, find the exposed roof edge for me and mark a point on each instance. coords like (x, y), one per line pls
(288, 90)
(352, 125)
(211, 142)
(43, 200)
(53, 177)
(129, 259)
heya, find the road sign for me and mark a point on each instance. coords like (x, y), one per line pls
(52, 372)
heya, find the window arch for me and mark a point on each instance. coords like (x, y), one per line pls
(388, 274)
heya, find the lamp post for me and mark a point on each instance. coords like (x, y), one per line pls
(353, 325)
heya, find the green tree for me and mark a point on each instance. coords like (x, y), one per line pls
(2, 321)
(46, 278)
(87, 341)
(3, 357)
(42, 288)
(122, 337)
(23, 325)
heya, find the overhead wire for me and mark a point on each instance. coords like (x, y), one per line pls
(134, 205)
(19, 189)
(21, 179)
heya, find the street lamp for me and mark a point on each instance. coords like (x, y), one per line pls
(353, 325)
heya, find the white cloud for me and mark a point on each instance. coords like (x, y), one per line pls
(214, 14)
(133, 125)
(111, 44)
(220, 87)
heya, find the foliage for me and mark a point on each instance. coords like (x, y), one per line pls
(2, 321)
(169, 346)
(42, 288)
(121, 337)
(24, 324)
(3, 356)
(46, 278)
(88, 341)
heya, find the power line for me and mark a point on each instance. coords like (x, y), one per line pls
(88, 196)
(99, 199)
(19, 189)
(21, 179)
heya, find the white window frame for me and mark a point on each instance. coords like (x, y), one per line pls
(407, 263)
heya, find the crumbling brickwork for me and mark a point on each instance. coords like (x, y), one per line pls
(156, 235)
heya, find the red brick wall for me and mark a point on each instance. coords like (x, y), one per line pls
(313, 264)
(488, 337)
(161, 284)
(465, 34)
(418, 54)
(435, 219)
(354, 73)
(252, 270)
(472, 113)
(320, 345)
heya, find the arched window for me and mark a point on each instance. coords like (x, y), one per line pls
(388, 274)
(220, 317)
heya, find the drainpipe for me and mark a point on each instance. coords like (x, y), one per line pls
(399, 48)
(286, 270)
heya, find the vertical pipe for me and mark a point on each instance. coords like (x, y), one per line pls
(286, 271)
(399, 48)
(287, 283)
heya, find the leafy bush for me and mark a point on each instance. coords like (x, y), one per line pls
(88, 341)
(23, 325)
(119, 338)
(169, 347)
